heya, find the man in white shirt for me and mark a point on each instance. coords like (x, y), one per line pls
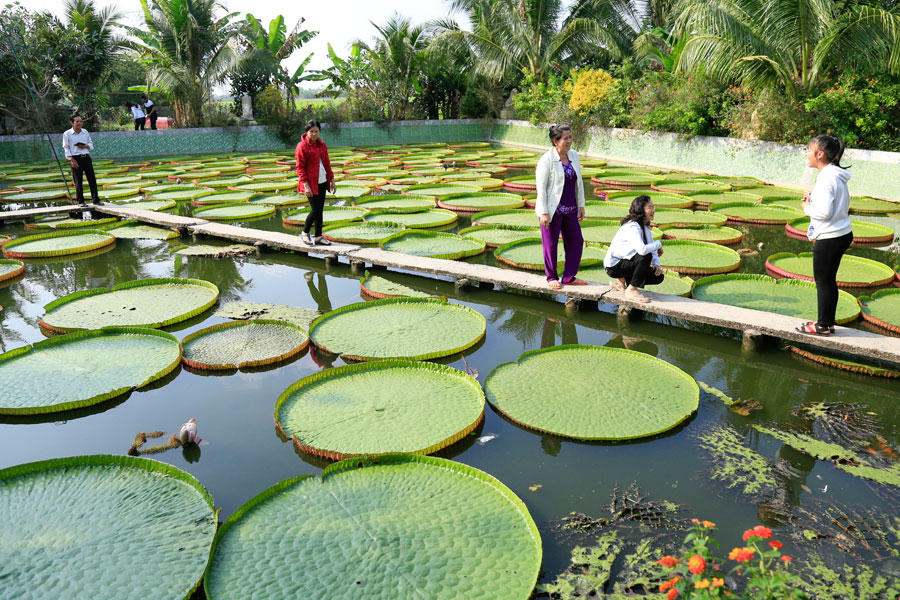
(150, 109)
(77, 145)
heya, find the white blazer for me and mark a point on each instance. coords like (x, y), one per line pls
(550, 181)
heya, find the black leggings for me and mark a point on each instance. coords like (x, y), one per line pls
(316, 204)
(637, 271)
(826, 260)
(139, 123)
(85, 168)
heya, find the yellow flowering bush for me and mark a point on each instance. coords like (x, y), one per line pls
(591, 87)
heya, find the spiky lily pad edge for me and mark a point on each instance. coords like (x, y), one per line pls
(843, 365)
(369, 366)
(19, 270)
(110, 240)
(875, 320)
(250, 363)
(775, 270)
(132, 284)
(65, 406)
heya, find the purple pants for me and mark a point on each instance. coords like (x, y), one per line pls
(573, 244)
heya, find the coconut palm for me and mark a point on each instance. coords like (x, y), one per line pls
(785, 42)
(189, 49)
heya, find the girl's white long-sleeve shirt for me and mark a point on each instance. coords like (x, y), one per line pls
(829, 205)
(628, 241)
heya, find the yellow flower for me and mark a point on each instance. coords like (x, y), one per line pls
(702, 584)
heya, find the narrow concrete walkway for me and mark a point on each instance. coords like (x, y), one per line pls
(863, 344)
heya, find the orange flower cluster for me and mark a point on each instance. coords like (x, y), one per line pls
(696, 564)
(669, 584)
(718, 582)
(702, 584)
(707, 524)
(741, 554)
(758, 531)
(667, 561)
(776, 544)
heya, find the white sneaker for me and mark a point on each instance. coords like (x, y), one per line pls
(304, 237)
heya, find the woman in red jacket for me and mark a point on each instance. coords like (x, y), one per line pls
(314, 177)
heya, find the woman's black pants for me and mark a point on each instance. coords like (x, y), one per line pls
(85, 168)
(139, 123)
(637, 271)
(153, 117)
(826, 260)
(316, 204)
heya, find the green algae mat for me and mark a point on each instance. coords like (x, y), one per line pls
(481, 201)
(602, 231)
(234, 212)
(142, 303)
(698, 258)
(759, 214)
(521, 218)
(423, 219)
(84, 368)
(58, 243)
(725, 236)
(863, 232)
(854, 271)
(433, 244)
(10, 269)
(673, 283)
(380, 407)
(361, 233)
(789, 297)
(103, 527)
(396, 526)
(330, 215)
(607, 393)
(412, 328)
(397, 202)
(239, 344)
(660, 199)
(883, 309)
(498, 235)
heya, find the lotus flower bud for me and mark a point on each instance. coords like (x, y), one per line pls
(188, 432)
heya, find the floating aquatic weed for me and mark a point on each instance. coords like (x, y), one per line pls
(849, 529)
(736, 465)
(843, 423)
(857, 581)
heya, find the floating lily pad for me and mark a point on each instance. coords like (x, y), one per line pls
(58, 243)
(790, 297)
(441, 406)
(698, 258)
(330, 215)
(691, 187)
(498, 235)
(628, 180)
(10, 269)
(418, 220)
(84, 368)
(760, 214)
(184, 194)
(660, 199)
(59, 195)
(481, 201)
(279, 312)
(602, 232)
(521, 218)
(772, 193)
(725, 236)
(379, 287)
(864, 205)
(58, 222)
(135, 230)
(241, 344)
(142, 303)
(227, 182)
(883, 309)
(704, 199)
(465, 175)
(523, 183)
(223, 198)
(844, 364)
(863, 232)
(854, 271)
(529, 254)
(736, 183)
(152, 205)
(70, 517)
(360, 233)
(228, 251)
(397, 202)
(673, 283)
(687, 218)
(265, 186)
(606, 394)
(433, 244)
(350, 191)
(442, 190)
(413, 328)
(607, 211)
(159, 188)
(279, 199)
(234, 212)
(398, 505)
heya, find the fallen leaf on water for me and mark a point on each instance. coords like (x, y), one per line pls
(534, 487)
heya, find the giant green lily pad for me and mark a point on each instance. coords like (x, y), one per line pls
(481, 201)
(413, 328)
(864, 233)
(349, 191)
(62, 222)
(686, 218)
(330, 215)
(135, 230)
(265, 186)
(602, 231)
(182, 194)
(361, 233)
(606, 393)
(58, 243)
(241, 344)
(864, 205)
(234, 212)
(843, 363)
(528, 253)
(223, 198)
(760, 214)
(771, 193)
(279, 199)
(58, 195)
(498, 235)
(691, 187)
(660, 199)
(375, 286)
(396, 526)
(442, 190)
(209, 251)
(883, 309)
(397, 202)
(432, 244)
(279, 312)
(380, 407)
(71, 517)
(705, 199)
(522, 218)
(790, 297)
(424, 219)
(854, 271)
(605, 211)
(699, 258)
(152, 205)
(10, 269)
(229, 182)
(673, 283)
(83, 368)
(141, 303)
(725, 236)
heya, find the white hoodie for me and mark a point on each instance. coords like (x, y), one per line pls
(829, 204)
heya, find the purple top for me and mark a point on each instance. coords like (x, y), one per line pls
(567, 204)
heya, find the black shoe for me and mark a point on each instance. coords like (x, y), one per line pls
(98, 202)
(320, 241)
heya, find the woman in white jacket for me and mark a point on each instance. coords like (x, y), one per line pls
(828, 209)
(560, 206)
(632, 259)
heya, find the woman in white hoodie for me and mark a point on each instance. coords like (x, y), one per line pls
(632, 259)
(828, 208)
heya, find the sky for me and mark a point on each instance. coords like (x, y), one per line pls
(339, 22)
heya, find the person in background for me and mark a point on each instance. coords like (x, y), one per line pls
(828, 209)
(137, 113)
(77, 146)
(560, 206)
(314, 176)
(632, 259)
(150, 110)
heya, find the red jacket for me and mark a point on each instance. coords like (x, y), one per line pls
(307, 157)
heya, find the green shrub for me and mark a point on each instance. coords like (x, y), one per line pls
(537, 99)
(679, 104)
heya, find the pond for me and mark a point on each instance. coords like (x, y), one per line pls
(243, 454)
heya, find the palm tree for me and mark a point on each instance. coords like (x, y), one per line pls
(189, 50)
(785, 43)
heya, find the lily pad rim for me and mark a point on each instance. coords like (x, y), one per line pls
(252, 363)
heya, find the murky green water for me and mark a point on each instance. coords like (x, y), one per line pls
(244, 455)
